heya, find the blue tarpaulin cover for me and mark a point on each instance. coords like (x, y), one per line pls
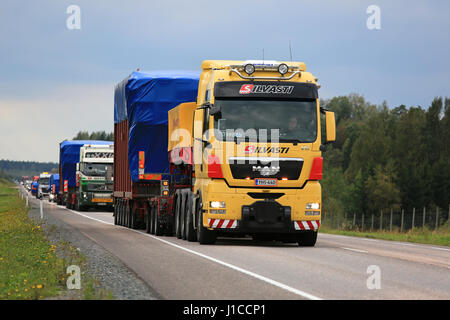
(69, 156)
(34, 187)
(54, 180)
(144, 99)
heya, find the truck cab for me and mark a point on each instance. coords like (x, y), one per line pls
(94, 177)
(257, 149)
(43, 189)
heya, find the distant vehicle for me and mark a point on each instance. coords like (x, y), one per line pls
(95, 177)
(54, 187)
(69, 156)
(44, 180)
(34, 188)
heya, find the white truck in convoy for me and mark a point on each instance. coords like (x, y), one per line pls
(94, 177)
(43, 189)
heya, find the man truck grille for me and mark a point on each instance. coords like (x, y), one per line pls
(258, 167)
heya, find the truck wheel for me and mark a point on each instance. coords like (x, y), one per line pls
(307, 239)
(132, 219)
(152, 220)
(189, 228)
(204, 236)
(115, 214)
(183, 215)
(177, 216)
(157, 226)
(121, 214)
(147, 222)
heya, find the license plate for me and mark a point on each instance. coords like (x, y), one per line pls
(266, 182)
(101, 200)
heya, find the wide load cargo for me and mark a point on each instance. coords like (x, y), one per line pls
(141, 106)
(69, 156)
(54, 186)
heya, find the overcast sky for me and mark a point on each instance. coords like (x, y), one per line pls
(55, 81)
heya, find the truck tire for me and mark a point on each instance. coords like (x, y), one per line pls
(116, 221)
(183, 215)
(147, 221)
(177, 215)
(133, 222)
(204, 236)
(157, 225)
(191, 235)
(125, 215)
(152, 220)
(307, 239)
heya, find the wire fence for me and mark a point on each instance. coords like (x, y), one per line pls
(389, 220)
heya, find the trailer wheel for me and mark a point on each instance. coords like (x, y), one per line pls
(125, 215)
(133, 224)
(183, 215)
(204, 236)
(119, 213)
(190, 231)
(307, 239)
(177, 215)
(157, 226)
(115, 213)
(152, 220)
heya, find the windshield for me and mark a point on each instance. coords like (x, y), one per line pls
(293, 120)
(97, 169)
(44, 180)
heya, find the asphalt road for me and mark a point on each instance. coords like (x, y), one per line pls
(338, 267)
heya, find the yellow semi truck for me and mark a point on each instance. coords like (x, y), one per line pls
(248, 152)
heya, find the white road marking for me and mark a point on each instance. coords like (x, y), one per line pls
(356, 250)
(385, 241)
(252, 274)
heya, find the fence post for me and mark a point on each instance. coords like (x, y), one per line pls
(448, 217)
(337, 220)
(381, 220)
(41, 209)
(362, 222)
(437, 218)
(371, 227)
(423, 221)
(390, 222)
(345, 219)
(401, 225)
(354, 219)
(414, 213)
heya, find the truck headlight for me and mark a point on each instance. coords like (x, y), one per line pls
(249, 68)
(283, 69)
(217, 204)
(313, 205)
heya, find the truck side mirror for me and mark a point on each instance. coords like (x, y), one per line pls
(215, 109)
(330, 123)
(78, 167)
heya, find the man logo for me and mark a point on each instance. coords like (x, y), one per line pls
(246, 89)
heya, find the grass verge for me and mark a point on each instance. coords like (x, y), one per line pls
(31, 267)
(417, 235)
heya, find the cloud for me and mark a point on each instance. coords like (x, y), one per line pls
(31, 128)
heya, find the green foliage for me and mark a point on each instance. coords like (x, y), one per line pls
(387, 158)
(17, 169)
(96, 135)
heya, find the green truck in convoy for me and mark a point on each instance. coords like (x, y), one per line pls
(94, 177)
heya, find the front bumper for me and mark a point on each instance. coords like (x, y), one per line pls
(261, 210)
